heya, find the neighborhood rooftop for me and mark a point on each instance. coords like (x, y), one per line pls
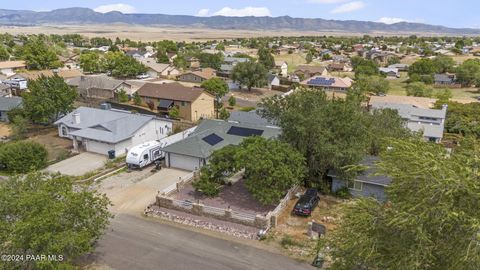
(211, 135)
(170, 91)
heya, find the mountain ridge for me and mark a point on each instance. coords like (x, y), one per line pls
(85, 16)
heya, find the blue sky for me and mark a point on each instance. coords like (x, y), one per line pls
(460, 13)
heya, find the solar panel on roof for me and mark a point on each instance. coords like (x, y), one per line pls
(212, 139)
(244, 132)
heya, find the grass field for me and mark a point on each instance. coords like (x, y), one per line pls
(397, 87)
(293, 60)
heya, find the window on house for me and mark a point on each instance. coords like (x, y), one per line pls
(145, 156)
(355, 185)
(64, 131)
(183, 103)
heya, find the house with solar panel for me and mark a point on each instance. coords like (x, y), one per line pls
(328, 83)
(194, 151)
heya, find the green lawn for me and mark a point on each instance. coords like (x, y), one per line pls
(293, 60)
(397, 87)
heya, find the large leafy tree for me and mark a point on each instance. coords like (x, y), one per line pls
(266, 58)
(443, 64)
(48, 99)
(462, 119)
(91, 62)
(364, 67)
(330, 134)
(419, 89)
(215, 86)
(47, 214)
(250, 74)
(431, 220)
(38, 55)
(371, 84)
(271, 168)
(123, 66)
(4, 54)
(468, 73)
(210, 60)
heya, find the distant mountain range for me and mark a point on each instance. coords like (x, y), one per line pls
(88, 16)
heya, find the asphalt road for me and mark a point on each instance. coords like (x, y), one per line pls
(137, 243)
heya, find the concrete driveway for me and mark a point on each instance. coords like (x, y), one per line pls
(131, 192)
(79, 164)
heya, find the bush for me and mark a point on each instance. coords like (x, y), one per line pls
(247, 109)
(206, 186)
(343, 193)
(23, 156)
(287, 241)
(232, 101)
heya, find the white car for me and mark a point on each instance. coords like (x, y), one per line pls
(142, 76)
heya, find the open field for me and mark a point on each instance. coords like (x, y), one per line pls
(154, 33)
(293, 60)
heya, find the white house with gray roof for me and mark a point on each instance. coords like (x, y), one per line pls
(194, 151)
(429, 121)
(100, 131)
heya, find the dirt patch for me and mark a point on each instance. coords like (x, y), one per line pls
(236, 196)
(5, 130)
(290, 235)
(58, 148)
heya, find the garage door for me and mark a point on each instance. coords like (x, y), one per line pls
(184, 162)
(98, 147)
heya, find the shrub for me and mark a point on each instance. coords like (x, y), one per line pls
(343, 193)
(247, 109)
(232, 101)
(206, 186)
(23, 156)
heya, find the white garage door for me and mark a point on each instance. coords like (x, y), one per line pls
(184, 162)
(99, 147)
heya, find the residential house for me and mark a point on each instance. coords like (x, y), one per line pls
(228, 64)
(272, 80)
(328, 83)
(157, 70)
(98, 87)
(193, 62)
(444, 79)
(10, 67)
(282, 68)
(251, 117)
(32, 75)
(70, 62)
(194, 151)
(135, 54)
(101, 131)
(366, 184)
(342, 67)
(7, 104)
(193, 103)
(428, 121)
(197, 76)
(171, 56)
(307, 71)
(400, 67)
(390, 72)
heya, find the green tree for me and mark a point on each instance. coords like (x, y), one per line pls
(271, 168)
(23, 156)
(462, 119)
(371, 84)
(330, 134)
(137, 100)
(421, 69)
(180, 61)
(423, 219)
(91, 62)
(215, 86)
(266, 58)
(48, 99)
(4, 54)
(419, 89)
(210, 60)
(309, 57)
(250, 74)
(443, 95)
(468, 72)
(363, 67)
(123, 66)
(232, 101)
(220, 47)
(224, 114)
(162, 56)
(38, 55)
(393, 60)
(174, 112)
(443, 64)
(47, 214)
(122, 96)
(19, 126)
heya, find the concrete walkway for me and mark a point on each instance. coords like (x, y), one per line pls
(79, 164)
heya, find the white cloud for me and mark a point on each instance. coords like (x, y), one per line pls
(326, 1)
(203, 12)
(348, 7)
(124, 8)
(391, 20)
(242, 12)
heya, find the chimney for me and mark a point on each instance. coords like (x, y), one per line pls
(76, 118)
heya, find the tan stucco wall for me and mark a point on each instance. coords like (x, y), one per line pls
(203, 107)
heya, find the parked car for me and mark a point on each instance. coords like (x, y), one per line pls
(306, 203)
(142, 76)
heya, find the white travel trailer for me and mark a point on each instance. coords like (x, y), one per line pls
(144, 154)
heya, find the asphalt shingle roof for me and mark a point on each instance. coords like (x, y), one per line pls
(8, 103)
(195, 146)
(104, 125)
